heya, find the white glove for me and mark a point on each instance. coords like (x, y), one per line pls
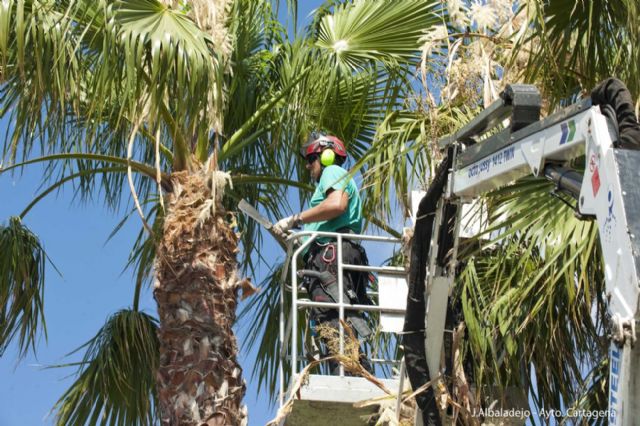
(283, 225)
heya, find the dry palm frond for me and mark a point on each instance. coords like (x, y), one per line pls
(430, 41)
(458, 12)
(350, 356)
(219, 180)
(483, 15)
(472, 66)
(464, 399)
(158, 169)
(387, 414)
(216, 182)
(132, 188)
(461, 400)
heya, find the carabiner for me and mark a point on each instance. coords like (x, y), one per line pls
(333, 253)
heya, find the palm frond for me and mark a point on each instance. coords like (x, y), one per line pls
(395, 163)
(402, 155)
(116, 379)
(537, 284)
(595, 392)
(237, 141)
(571, 46)
(256, 31)
(85, 169)
(139, 167)
(66, 179)
(170, 52)
(364, 31)
(101, 63)
(22, 273)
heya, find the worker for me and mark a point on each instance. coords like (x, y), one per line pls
(334, 207)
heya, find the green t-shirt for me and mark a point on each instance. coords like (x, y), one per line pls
(337, 178)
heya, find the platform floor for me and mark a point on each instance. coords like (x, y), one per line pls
(328, 400)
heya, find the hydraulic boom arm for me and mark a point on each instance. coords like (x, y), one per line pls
(609, 191)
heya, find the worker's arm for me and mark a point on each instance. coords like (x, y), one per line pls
(335, 203)
(333, 206)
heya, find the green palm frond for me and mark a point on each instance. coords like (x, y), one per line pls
(167, 51)
(572, 45)
(139, 167)
(351, 101)
(595, 392)
(64, 180)
(401, 156)
(85, 170)
(238, 140)
(22, 273)
(255, 31)
(363, 31)
(126, 56)
(360, 105)
(38, 63)
(534, 286)
(116, 379)
(395, 162)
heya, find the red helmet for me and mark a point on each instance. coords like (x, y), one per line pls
(318, 142)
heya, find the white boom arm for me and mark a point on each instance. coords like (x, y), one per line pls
(608, 191)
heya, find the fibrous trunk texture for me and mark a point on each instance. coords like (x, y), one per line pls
(199, 379)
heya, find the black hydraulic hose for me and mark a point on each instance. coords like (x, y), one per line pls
(325, 277)
(613, 92)
(413, 338)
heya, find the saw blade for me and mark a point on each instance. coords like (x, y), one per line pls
(254, 214)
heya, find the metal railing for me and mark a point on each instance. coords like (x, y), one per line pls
(289, 331)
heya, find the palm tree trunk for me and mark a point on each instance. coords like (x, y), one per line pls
(199, 379)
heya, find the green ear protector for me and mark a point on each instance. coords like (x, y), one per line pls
(327, 157)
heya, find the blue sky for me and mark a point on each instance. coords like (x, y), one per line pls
(92, 286)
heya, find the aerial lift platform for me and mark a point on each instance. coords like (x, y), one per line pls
(326, 399)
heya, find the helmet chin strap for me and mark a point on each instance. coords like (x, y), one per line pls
(320, 174)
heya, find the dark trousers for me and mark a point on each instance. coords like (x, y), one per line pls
(324, 258)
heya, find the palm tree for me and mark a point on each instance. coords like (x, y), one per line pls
(183, 108)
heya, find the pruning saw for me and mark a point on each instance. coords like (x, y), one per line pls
(254, 214)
